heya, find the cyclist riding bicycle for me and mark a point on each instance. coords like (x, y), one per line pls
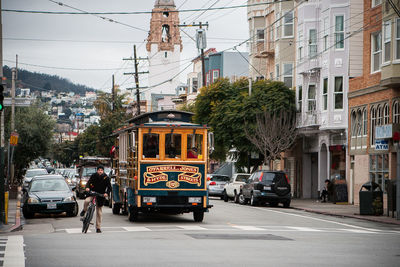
(100, 183)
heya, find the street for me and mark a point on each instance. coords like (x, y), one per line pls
(231, 235)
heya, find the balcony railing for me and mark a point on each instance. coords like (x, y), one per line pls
(307, 119)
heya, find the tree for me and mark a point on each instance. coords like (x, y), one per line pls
(35, 129)
(228, 109)
(274, 133)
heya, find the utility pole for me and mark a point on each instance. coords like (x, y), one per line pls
(201, 44)
(136, 74)
(113, 94)
(2, 199)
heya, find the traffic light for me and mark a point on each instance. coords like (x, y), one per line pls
(1, 97)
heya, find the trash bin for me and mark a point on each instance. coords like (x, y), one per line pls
(371, 199)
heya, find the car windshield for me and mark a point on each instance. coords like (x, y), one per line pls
(88, 171)
(242, 178)
(49, 185)
(31, 173)
(271, 176)
(220, 178)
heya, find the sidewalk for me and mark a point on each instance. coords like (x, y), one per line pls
(341, 210)
(14, 216)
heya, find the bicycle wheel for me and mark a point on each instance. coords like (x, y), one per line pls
(87, 219)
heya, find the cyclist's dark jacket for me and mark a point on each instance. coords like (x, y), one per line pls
(100, 184)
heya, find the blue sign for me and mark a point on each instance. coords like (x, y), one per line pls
(381, 145)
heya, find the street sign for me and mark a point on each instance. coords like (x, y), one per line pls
(14, 139)
(384, 131)
(381, 145)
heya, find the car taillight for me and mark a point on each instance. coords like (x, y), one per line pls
(213, 183)
(287, 179)
(261, 176)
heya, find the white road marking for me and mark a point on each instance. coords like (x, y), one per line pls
(136, 229)
(14, 252)
(191, 227)
(75, 230)
(318, 219)
(305, 229)
(358, 231)
(248, 228)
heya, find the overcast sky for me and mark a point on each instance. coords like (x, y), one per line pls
(53, 42)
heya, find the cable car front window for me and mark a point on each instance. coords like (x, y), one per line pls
(173, 143)
(195, 146)
(151, 145)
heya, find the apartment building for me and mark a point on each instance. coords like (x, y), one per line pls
(324, 39)
(374, 99)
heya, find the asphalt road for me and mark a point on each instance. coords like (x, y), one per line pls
(230, 235)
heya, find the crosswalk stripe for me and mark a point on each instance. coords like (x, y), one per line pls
(75, 230)
(14, 252)
(304, 229)
(136, 229)
(192, 227)
(248, 228)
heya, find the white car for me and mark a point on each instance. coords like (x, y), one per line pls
(232, 189)
(30, 173)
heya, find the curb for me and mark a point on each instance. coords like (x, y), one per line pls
(17, 226)
(346, 216)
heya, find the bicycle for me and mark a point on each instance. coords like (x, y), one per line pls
(90, 211)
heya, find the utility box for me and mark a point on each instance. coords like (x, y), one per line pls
(371, 199)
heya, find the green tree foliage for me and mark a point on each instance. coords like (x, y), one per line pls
(227, 108)
(65, 153)
(35, 129)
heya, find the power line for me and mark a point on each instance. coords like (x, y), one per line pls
(137, 12)
(96, 15)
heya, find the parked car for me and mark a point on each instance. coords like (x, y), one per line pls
(270, 187)
(232, 189)
(49, 194)
(216, 183)
(30, 173)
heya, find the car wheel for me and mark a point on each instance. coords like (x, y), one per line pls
(74, 212)
(236, 198)
(27, 214)
(242, 199)
(133, 214)
(253, 200)
(198, 216)
(286, 204)
(225, 196)
(116, 208)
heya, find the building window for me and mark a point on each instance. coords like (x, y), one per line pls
(288, 24)
(365, 122)
(386, 114)
(379, 169)
(277, 72)
(288, 74)
(379, 116)
(215, 75)
(396, 112)
(376, 2)
(339, 32)
(200, 79)
(311, 97)
(194, 85)
(278, 22)
(325, 94)
(260, 36)
(387, 38)
(353, 125)
(300, 102)
(376, 59)
(326, 33)
(373, 125)
(300, 44)
(338, 92)
(397, 39)
(312, 43)
(359, 123)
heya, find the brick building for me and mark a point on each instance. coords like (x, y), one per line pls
(374, 101)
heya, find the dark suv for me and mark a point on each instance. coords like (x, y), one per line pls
(271, 187)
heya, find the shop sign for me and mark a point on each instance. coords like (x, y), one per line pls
(384, 131)
(381, 145)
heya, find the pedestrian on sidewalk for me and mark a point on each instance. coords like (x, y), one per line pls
(326, 190)
(100, 183)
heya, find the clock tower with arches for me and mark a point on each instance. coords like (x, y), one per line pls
(164, 47)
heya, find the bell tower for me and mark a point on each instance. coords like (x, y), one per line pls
(164, 47)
